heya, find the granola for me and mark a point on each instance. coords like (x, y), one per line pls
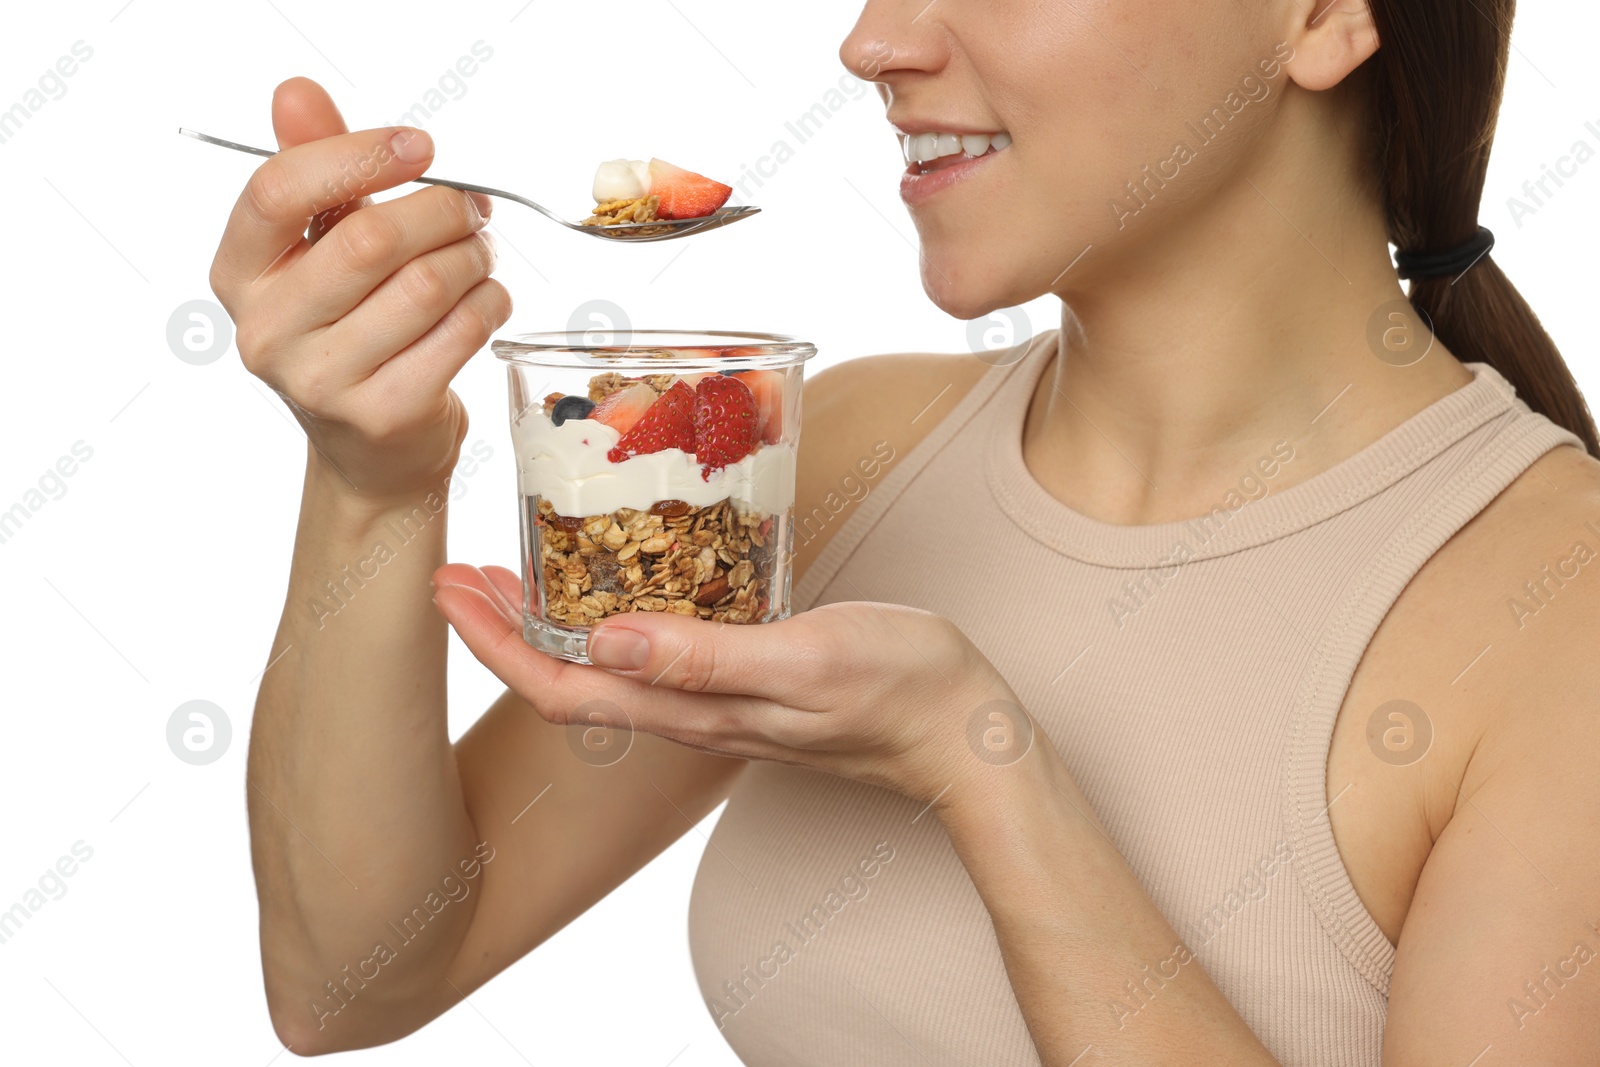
(632, 211)
(603, 385)
(715, 562)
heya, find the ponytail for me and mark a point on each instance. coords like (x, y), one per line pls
(1436, 85)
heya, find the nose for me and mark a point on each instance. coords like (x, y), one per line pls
(895, 38)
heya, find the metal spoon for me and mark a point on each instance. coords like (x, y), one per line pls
(628, 232)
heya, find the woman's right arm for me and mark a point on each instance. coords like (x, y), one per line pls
(396, 872)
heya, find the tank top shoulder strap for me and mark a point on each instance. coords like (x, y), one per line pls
(1006, 363)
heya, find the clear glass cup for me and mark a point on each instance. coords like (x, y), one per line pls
(655, 472)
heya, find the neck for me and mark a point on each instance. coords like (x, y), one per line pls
(1190, 350)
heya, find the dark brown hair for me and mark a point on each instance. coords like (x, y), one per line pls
(1436, 85)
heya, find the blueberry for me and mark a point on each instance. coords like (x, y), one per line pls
(571, 407)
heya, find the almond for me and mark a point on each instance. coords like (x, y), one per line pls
(712, 591)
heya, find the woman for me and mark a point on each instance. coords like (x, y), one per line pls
(1291, 589)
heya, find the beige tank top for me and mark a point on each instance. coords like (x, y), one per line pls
(1189, 673)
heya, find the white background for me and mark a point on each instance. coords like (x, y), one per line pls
(158, 576)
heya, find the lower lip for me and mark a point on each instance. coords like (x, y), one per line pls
(919, 188)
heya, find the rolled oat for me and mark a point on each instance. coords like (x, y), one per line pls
(714, 562)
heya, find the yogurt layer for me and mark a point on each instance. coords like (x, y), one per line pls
(567, 466)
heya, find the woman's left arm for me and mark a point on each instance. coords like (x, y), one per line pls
(901, 699)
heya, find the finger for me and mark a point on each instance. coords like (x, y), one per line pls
(787, 662)
(410, 298)
(303, 111)
(496, 640)
(508, 582)
(466, 576)
(563, 692)
(424, 368)
(373, 244)
(288, 190)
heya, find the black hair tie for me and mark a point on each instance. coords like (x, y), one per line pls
(1457, 260)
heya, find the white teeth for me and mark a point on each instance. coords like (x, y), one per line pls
(927, 147)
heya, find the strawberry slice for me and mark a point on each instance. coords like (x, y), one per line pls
(667, 423)
(767, 387)
(622, 409)
(685, 194)
(724, 422)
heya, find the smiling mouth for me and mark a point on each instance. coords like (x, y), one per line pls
(929, 152)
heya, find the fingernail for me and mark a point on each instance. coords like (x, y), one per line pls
(485, 204)
(618, 649)
(412, 146)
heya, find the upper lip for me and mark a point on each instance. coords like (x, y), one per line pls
(910, 127)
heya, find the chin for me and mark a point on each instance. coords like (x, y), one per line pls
(970, 286)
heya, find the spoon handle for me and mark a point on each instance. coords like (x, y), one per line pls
(466, 187)
(235, 145)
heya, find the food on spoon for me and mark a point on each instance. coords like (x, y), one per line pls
(683, 194)
(632, 191)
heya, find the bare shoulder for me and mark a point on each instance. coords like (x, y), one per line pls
(1506, 616)
(861, 417)
(1534, 556)
(1526, 558)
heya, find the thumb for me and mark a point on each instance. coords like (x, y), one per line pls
(772, 660)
